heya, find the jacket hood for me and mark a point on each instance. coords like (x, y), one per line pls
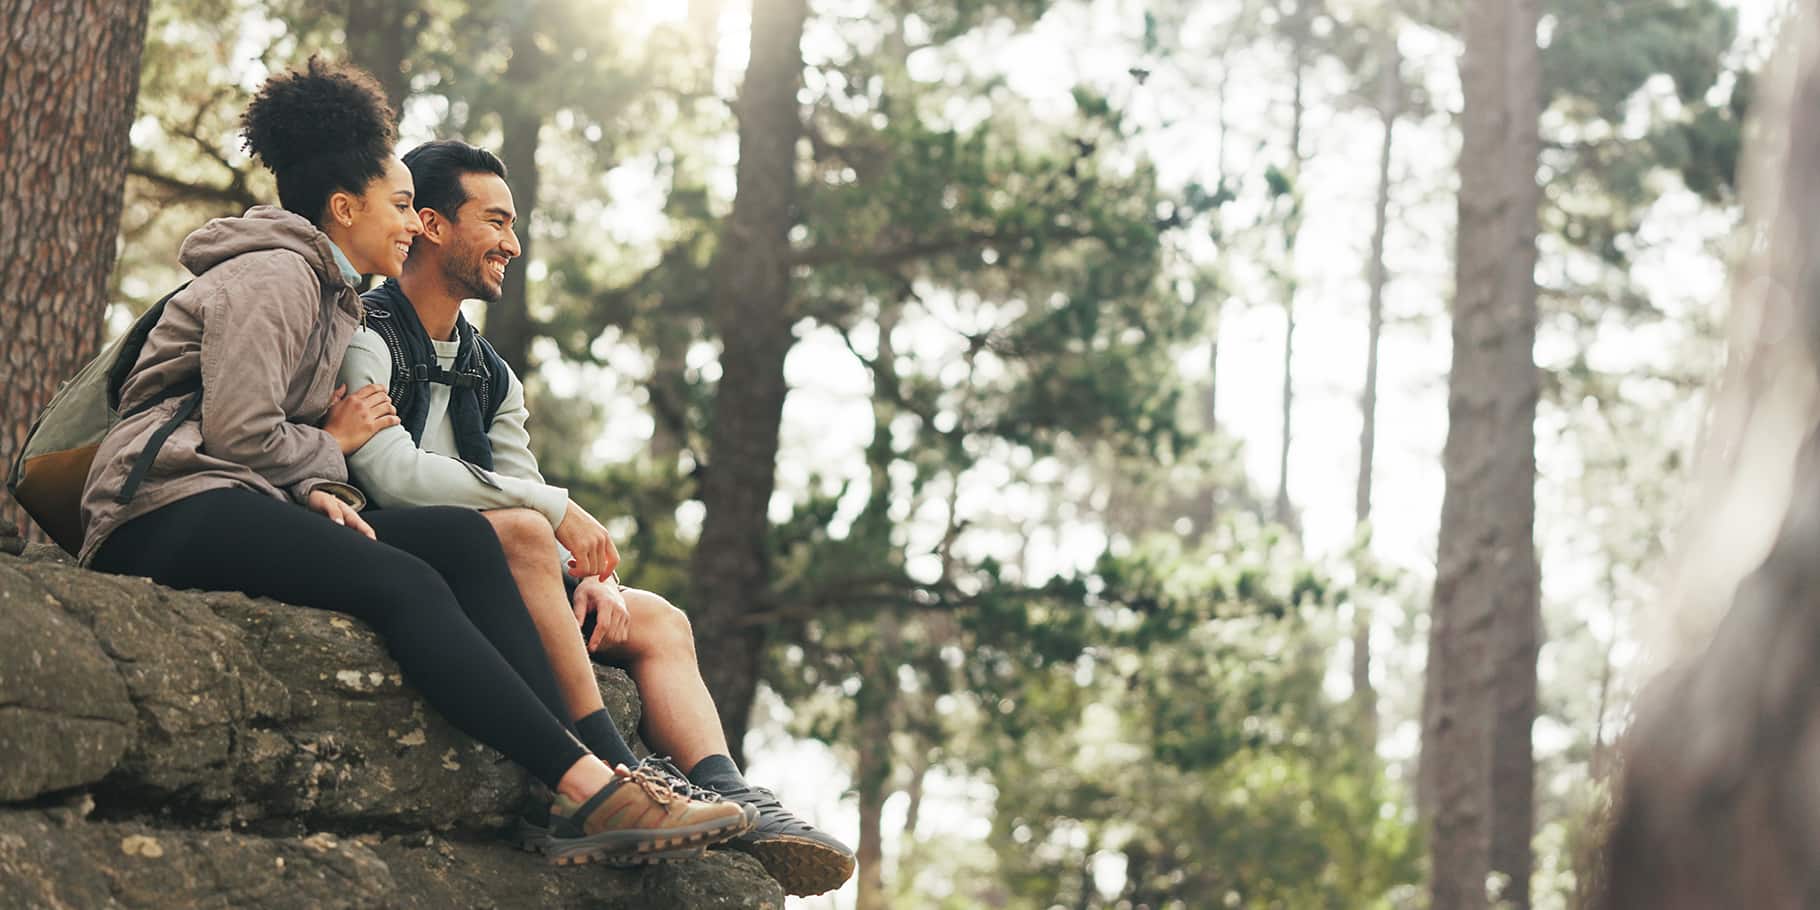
(263, 227)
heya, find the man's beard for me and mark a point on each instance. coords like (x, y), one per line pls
(469, 276)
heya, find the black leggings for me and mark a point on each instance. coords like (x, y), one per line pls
(435, 587)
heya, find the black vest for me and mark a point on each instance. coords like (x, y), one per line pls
(477, 384)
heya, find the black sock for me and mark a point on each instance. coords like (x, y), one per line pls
(602, 738)
(717, 773)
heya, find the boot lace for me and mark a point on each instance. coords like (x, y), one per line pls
(663, 767)
(653, 784)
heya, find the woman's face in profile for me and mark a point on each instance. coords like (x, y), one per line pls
(385, 222)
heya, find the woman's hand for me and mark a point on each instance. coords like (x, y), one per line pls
(353, 419)
(340, 512)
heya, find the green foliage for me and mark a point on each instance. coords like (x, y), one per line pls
(1205, 760)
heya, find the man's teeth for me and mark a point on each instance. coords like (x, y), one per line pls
(403, 248)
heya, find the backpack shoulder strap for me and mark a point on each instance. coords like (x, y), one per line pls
(128, 356)
(402, 384)
(496, 379)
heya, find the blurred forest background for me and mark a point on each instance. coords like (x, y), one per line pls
(1040, 405)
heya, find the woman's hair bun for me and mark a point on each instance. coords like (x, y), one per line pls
(322, 110)
(320, 129)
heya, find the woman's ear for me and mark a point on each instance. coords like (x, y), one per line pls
(341, 208)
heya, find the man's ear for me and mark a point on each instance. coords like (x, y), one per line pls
(435, 227)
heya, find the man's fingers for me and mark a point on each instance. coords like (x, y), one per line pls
(600, 630)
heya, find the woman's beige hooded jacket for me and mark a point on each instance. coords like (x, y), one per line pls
(265, 324)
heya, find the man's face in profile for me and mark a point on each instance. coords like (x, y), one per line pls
(483, 240)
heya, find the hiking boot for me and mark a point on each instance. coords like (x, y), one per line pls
(802, 858)
(532, 829)
(637, 818)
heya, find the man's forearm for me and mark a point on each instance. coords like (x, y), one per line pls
(395, 473)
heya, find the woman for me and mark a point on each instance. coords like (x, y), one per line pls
(201, 501)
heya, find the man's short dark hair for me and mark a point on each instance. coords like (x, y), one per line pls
(437, 168)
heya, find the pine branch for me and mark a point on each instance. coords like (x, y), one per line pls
(235, 193)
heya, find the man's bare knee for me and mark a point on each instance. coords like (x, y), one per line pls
(523, 533)
(658, 624)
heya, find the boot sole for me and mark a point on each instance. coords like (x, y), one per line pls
(638, 847)
(803, 867)
(532, 839)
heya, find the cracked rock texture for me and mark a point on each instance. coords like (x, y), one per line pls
(179, 749)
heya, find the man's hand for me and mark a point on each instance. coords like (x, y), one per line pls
(353, 419)
(612, 618)
(340, 512)
(588, 542)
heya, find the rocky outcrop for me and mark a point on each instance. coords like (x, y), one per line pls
(164, 748)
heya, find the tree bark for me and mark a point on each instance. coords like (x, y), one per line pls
(1716, 802)
(873, 707)
(1364, 694)
(1483, 637)
(751, 313)
(382, 34)
(508, 322)
(670, 338)
(1291, 228)
(69, 80)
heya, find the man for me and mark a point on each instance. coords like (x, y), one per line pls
(462, 441)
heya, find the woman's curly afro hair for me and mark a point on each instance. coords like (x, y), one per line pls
(320, 129)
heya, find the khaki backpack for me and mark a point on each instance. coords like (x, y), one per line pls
(48, 475)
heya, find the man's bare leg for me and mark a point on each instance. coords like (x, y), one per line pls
(680, 720)
(530, 547)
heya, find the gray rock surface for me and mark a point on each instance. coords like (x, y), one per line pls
(231, 733)
(57, 859)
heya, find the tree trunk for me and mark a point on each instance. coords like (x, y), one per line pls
(670, 337)
(382, 35)
(874, 707)
(1364, 694)
(508, 322)
(1291, 228)
(1483, 638)
(69, 79)
(1716, 804)
(1519, 617)
(751, 313)
(919, 775)
(669, 390)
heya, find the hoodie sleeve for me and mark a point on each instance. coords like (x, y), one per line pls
(255, 328)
